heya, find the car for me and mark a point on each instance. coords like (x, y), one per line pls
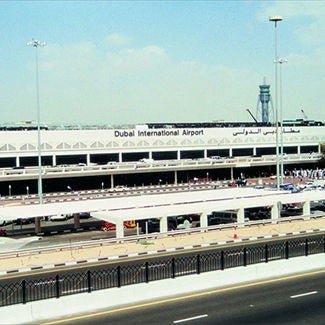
(24, 221)
(84, 215)
(119, 188)
(59, 217)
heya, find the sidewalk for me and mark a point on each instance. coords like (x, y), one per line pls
(153, 246)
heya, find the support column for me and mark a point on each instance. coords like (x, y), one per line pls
(204, 219)
(119, 228)
(112, 181)
(178, 154)
(175, 177)
(241, 215)
(163, 224)
(88, 159)
(231, 173)
(17, 161)
(37, 225)
(76, 221)
(306, 208)
(120, 157)
(54, 160)
(275, 210)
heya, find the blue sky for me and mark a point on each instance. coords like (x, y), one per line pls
(126, 62)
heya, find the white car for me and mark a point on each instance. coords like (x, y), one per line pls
(59, 217)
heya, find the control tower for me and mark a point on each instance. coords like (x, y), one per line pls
(263, 112)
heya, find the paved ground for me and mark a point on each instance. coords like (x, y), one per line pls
(153, 245)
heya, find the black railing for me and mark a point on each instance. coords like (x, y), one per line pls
(111, 276)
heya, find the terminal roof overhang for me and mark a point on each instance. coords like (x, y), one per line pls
(157, 205)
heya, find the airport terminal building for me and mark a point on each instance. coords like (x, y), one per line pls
(186, 148)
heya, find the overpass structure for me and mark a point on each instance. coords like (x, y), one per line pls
(155, 166)
(161, 206)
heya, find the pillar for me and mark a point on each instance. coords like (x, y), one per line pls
(175, 177)
(119, 228)
(112, 181)
(241, 215)
(76, 221)
(88, 159)
(276, 210)
(204, 219)
(163, 224)
(37, 225)
(54, 160)
(231, 173)
(306, 208)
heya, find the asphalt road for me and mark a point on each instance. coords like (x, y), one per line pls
(297, 299)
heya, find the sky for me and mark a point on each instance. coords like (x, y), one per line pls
(132, 62)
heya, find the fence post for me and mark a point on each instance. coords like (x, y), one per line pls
(287, 250)
(57, 286)
(198, 264)
(173, 268)
(23, 287)
(89, 281)
(222, 260)
(245, 256)
(266, 253)
(118, 276)
(147, 272)
(306, 247)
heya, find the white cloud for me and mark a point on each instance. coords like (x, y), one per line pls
(139, 85)
(117, 40)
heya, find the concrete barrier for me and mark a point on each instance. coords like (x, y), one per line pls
(109, 298)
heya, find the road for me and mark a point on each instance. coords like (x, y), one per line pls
(297, 299)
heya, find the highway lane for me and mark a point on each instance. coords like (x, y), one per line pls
(297, 299)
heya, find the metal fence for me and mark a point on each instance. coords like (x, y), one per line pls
(128, 273)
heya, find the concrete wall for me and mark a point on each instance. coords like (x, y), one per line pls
(110, 298)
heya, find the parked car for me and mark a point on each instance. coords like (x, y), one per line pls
(24, 221)
(84, 215)
(60, 217)
(111, 226)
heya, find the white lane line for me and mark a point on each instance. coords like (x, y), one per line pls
(189, 319)
(304, 294)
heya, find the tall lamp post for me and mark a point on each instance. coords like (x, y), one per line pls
(276, 19)
(36, 44)
(281, 61)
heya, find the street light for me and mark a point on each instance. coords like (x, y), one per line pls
(276, 19)
(36, 44)
(281, 61)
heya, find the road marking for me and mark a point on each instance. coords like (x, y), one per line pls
(189, 319)
(304, 294)
(182, 297)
